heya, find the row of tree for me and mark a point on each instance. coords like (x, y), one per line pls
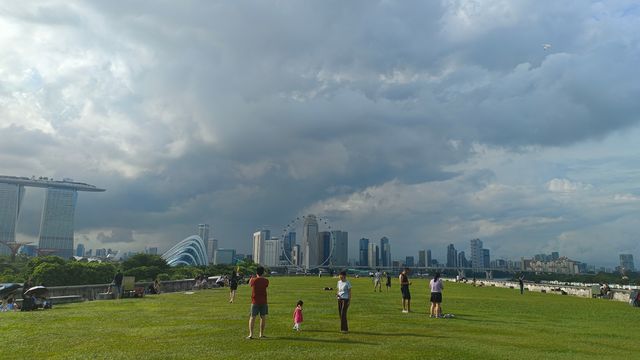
(55, 271)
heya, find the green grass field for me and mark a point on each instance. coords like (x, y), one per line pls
(489, 323)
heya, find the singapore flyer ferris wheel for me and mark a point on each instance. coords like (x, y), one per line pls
(308, 242)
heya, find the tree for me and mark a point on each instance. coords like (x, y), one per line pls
(139, 260)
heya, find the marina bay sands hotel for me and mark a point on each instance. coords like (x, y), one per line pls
(56, 226)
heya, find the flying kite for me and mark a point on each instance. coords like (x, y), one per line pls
(546, 46)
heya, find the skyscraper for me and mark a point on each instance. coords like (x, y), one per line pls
(452, 256)
(295, 255)
(486, 258)
(259, 237)
(462, 260)
(80, 250)
(373, 255)
(324, 246)
(10, 199)
(289, 243)
(385, 252)
(626, 262)
(363, 252)
(409, 261)
(310, 244)
(56, 226)
(204, 232)
(272, 251)
(477, 260)
(340, 255)
(429, 260)
(422, 258)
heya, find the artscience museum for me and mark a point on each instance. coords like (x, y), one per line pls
(190, 251)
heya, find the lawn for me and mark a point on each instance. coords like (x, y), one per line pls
(489, 323)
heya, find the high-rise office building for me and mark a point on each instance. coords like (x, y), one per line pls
(340, 256)
(272, 251)
(295, 255)
(486, 259)
(56, 226)
(373, 255)
(363, 252)
(259, 237)
(626, 262)
(385, 252)
(289, 243)
(204, 231)
(324, 245)
(477, 260)
(409, 261)
(452, 256)
(214, 246)
(310, 246)
(462, 260)
(80, 250)
(422, 261)
(429, 259)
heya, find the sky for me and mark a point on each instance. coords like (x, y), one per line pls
(429, 122)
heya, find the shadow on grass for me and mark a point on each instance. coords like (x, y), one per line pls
(475, 318)
(307, 339)
(369, 333)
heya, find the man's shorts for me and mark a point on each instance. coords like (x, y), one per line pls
(261, 309)
(405, 292)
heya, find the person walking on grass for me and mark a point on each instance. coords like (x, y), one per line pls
(297, 316)
(436, 287)
(344, 298)
(117, 283)
(521, 283)
(259, 305)
(233, 286)
(377, 284)
(388, 276)
(404, 289)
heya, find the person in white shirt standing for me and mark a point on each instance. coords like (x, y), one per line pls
(436, 287)
(376, 281)
(344, 298)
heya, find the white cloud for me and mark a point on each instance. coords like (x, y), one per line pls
(567, 186)
(626, 197)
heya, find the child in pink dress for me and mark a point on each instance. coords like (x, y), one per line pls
(297, 316)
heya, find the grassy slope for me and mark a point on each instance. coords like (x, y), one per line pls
(490, 323)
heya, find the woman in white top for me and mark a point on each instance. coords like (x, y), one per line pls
(436, 295)
(344, 297)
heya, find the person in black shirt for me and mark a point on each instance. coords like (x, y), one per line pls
(404, 288)
(117, 282)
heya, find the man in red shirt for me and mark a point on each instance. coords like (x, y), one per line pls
(259, 305)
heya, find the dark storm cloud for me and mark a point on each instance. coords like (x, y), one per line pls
(244, 113)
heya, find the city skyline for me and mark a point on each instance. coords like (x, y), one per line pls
(430, 123)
